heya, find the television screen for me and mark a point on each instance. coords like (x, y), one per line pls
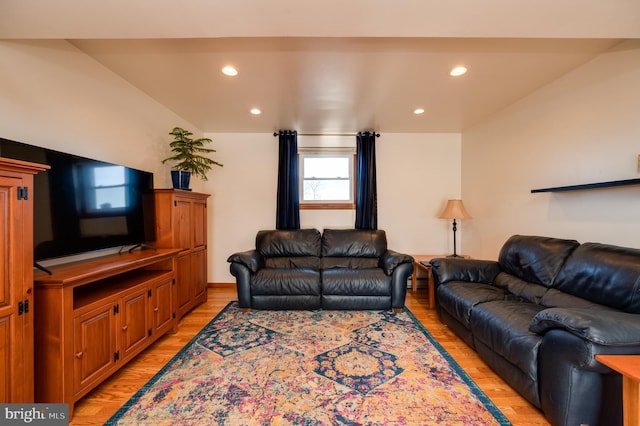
(83, 205)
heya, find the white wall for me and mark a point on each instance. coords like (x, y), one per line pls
(55, 96)
(582, 128)
(417, 173)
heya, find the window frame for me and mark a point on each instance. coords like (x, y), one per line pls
(327, 205)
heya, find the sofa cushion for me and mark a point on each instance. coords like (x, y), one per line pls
(268, 281)
(288, 243)
(353, 243)
(535, 259)
(557, 299)
(459, 297)
(356, 282)
(299, 262)
(523, 289)
(604, 274)
(503, 326)
(349, 262)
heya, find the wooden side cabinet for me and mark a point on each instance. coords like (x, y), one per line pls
(94, 316)
(181, 222)
(16, 280)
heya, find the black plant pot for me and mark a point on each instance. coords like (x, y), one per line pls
(180, 179)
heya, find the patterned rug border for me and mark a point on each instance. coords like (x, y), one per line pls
(489, 405)
(475, 389)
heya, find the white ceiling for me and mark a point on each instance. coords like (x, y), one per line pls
(331, 66)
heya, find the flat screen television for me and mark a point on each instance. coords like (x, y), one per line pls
(83, 205)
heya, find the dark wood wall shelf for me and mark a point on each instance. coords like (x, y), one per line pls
(597, 185)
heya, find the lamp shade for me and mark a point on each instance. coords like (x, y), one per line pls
(454, 210)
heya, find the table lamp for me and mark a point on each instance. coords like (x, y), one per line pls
(454, 210)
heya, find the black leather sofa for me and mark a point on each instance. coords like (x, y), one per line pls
(338, 269)
(540, 314)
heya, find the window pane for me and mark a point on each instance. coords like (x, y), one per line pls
(108, 176)
(326, 167)
(326, 190)
(110, 198)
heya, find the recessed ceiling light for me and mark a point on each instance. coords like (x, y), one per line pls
(418, 111)
(231, 71)
(460, 70)
(255, 111)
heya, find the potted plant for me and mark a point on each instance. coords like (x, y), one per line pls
(189, 157)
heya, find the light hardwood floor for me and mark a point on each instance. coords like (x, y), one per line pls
(106, 399)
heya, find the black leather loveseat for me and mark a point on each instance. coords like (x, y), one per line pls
(540, 314)
(340, 269)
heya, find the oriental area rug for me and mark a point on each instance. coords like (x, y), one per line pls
(311, 368)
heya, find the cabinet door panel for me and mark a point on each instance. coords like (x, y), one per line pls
(199, 273)
(199, 223)
(16, 339)
(94, 345)
(6, 301)
(162, 307)
(182, 225)
(5, 358)
(7, 306)
(183, 279)
(134, 322)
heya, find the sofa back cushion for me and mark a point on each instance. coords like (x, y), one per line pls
(518, 287)
(605, 274)
(535, 259)
(353, 243)
(298, 248)
(352, 248)
(349, 262)
(559, 299)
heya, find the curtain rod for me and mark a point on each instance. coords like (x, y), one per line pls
(377, 135)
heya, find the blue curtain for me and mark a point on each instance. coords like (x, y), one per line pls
(288, 203)
(366, 186)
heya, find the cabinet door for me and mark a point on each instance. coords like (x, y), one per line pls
(182, 224)
(199, 223)
(94, 345)
(199, 272)
(16, 342)
(135, 327)
(183, 280)
(161, 295)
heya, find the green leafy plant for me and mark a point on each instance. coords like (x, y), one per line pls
(189, 154)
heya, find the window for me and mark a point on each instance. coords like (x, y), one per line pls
(326, 180)
(109, 188)
(105, 189)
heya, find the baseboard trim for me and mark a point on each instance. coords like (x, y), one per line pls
(212, 285)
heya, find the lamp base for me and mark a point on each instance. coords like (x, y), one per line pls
(455, 255)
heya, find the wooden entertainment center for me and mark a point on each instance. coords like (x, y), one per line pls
(93, 316)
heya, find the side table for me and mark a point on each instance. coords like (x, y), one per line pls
(421, 261)
(629, 367)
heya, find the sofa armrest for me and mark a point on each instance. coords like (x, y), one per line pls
(459, 269)
(607, 328)
(392, 259)
(251, 259)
